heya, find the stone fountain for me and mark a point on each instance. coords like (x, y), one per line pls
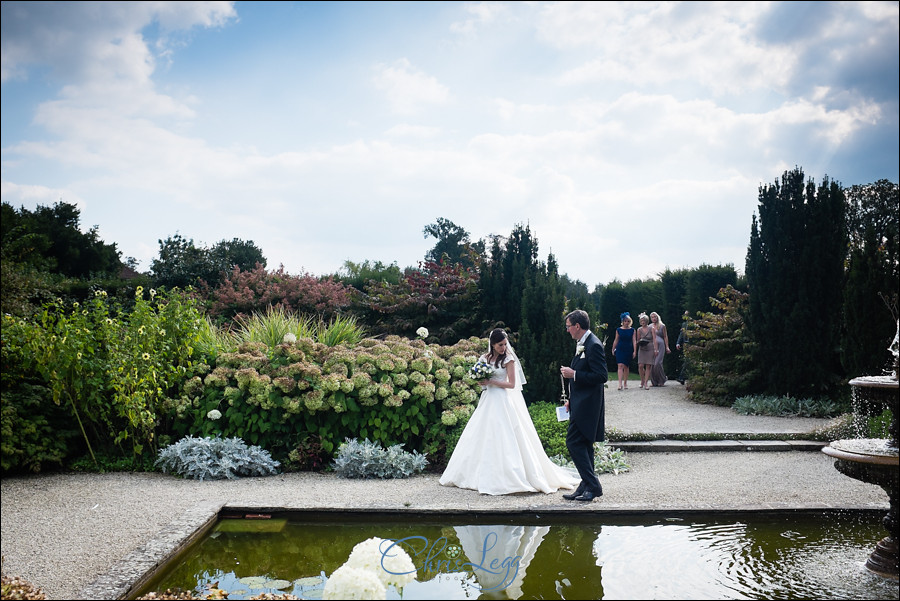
(875, 460)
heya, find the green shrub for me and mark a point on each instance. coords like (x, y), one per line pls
(878, 426)
(111, 369)
(370, 460)
(215, 459)
(109, 461)
(307, 456)
(35, 432)
(551, 432)
(439, 442)
(719, 358)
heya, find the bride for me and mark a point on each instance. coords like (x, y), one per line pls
(499, 451)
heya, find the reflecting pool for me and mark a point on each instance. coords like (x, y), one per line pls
(715, 555)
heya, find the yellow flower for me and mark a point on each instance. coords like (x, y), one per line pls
(146, 356)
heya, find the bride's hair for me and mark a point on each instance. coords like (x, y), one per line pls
(497, 335)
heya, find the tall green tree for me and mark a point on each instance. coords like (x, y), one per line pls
(577, 294)
(614, 301)
(795, 272)
(181, 263)
(505, 274)
(50, 239)
(543, 342)
(228, 254)
(644, 296)
(453, 244)
(873, 277)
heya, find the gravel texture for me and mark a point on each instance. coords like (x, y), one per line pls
(62, 532)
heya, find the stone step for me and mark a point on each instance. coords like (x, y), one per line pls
(669, 446)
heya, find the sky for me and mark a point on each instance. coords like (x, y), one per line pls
(630, 137)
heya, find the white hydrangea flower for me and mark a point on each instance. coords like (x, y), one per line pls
(390, 563)
(348, 582)
(398, 568)
(214, 414)
(422, 332)
(289, 338)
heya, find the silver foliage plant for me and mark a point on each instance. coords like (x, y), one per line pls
(368, 459)
(607, 459)
(215, 459)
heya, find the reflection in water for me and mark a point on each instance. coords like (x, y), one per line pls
(714, 556)
(499, 555)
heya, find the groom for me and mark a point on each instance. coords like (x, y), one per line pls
(587, 374)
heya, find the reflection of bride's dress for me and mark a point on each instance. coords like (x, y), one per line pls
(499, 451)
(499, 555)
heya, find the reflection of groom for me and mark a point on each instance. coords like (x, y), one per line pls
(586, 403)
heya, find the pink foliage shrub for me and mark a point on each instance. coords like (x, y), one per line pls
(253, 291)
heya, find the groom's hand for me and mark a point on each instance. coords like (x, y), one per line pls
(567, 372)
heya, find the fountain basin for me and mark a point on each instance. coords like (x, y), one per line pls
(873, 451)
(875, 461)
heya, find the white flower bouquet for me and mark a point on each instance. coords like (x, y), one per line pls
(482, 370)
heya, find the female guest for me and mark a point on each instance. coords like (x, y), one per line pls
(657, 373)
(646, 349)
(624, 348)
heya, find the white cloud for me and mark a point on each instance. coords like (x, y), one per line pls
(481, 13)
(408, 89)
(654, 44)
(405, 130)
(24, 195)
(82, 41)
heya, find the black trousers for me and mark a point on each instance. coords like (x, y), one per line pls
(582, 452)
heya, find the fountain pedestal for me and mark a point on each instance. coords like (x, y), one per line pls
(875, 461)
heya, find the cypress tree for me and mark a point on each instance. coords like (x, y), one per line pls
(544, 344)
(614, 302)
(795, 275)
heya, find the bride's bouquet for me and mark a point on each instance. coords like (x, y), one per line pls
(482, 370)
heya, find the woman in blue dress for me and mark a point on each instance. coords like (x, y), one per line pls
(623, 348)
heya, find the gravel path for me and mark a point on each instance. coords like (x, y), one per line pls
(61, 532)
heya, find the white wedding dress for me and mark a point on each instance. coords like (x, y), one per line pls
(499, 451)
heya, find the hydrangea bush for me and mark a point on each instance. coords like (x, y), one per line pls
(390, 391)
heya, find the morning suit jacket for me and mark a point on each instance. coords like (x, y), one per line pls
(586, 391)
